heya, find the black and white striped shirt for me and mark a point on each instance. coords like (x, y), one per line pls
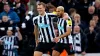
(45, 26)
(62, 28)
(10, 45)
(77, 42)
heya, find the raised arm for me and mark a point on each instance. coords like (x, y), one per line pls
(19, 35)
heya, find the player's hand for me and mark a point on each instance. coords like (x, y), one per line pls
(56, 39)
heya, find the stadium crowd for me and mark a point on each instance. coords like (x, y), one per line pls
(17, 20)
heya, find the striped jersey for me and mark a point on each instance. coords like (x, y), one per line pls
(77, 42)
(10, 45)
(45, 26)
(62, 28)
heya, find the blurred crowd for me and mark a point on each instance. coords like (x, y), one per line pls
(84, 13)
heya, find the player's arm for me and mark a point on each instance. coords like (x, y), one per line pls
(1, 40)
(67, 33)
(19, 35)
(36, 32)
(52, 14)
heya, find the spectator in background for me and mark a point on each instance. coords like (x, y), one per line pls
(23, 2)
(7, 2)
(67, 4)
(91, 24)
(97, 6)
(11, 45)
(77, 21)
(4, 24)
(80, 41)
(96, 19)
(12, 16)
(51, 8)
(55, 2)
(91, 33)
(82, 8)
(91, 12)
(97, 40)
(97, 3)
(27, 28)
(1, 6)
(72, 12)
(19, 9)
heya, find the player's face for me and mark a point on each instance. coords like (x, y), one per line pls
(40, 9)
(9, 32)
(59, 12)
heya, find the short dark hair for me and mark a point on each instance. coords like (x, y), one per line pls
(41, 3)
(71, 10)
(6, 4)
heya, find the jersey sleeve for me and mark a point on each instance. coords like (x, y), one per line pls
(35, 20)
(16, 40)
(2, 38)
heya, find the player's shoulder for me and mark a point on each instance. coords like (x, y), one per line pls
(3, 36)
(36, 17)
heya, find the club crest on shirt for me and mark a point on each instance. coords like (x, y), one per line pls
(41, 25)
(7, 42)
(60, 27)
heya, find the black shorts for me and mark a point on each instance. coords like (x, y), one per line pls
(61, 46)
(44, 47)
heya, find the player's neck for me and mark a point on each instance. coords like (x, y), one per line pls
(62, 15)
(43, 14)
(9, 35)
